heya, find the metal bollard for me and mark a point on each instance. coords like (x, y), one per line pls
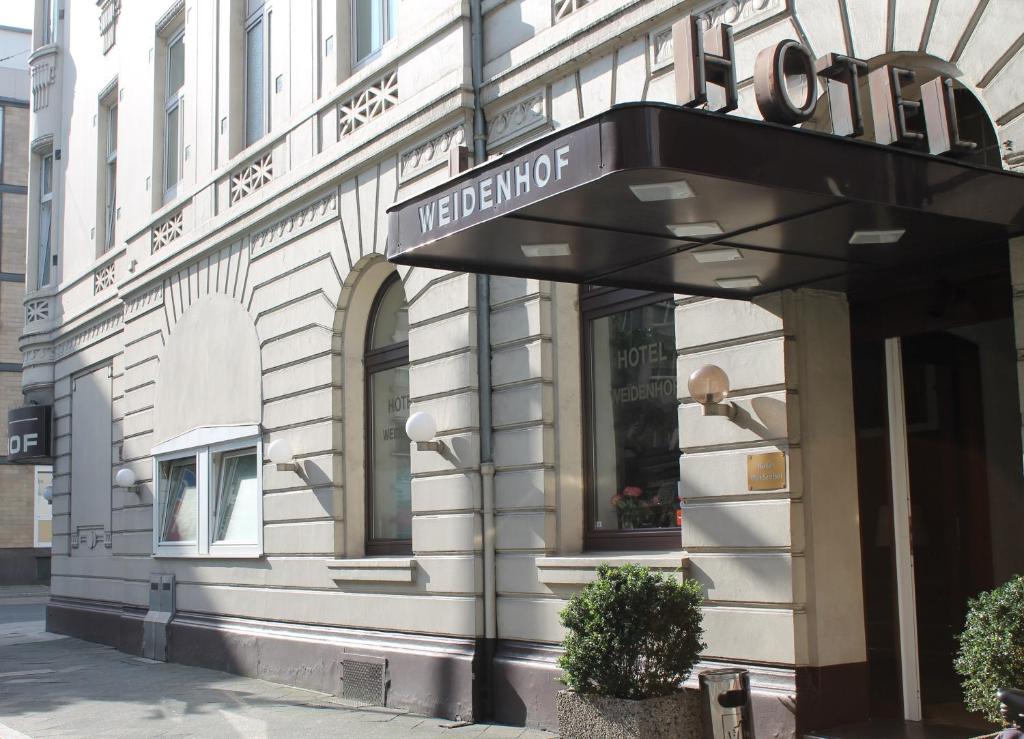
(725, 695)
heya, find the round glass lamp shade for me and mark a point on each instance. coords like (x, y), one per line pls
(708, 384)
(48, 493)
(124, 478)
(421, 427)
(279, 451)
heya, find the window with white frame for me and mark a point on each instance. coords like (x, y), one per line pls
(174, 105)
(43, 535)
(257, 48)
(108, 153)
(45, 220)
(208, 500)
(51, 12)
(373, 26)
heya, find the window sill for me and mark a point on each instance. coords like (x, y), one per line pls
(254, 554)
(582, 569)
(373, 569)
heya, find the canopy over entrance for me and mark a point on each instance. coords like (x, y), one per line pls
(665, 198)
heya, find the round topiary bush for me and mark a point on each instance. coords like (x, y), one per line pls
(632, 634)
(991, 652)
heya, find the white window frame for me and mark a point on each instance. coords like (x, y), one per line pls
(204, 444)
(173, 100)
(384, 39)
(45, 196)
(110, 111)
(43, 510)
(261, 15)
(51, 14)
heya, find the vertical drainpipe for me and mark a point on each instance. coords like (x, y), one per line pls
(483, 327)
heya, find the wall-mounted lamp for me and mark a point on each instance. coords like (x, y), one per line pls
(709, 385)
(125, 478)
(48, 494)
(280, 453)
(422, 428)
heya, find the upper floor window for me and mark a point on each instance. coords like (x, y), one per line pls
(374, 25)
(631, 420)
(386, 362)
(174, 104)
(45, 220)
(108, 163)
(257, 97)
(51, 13)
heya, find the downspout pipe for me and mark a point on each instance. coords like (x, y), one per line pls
(483, 327)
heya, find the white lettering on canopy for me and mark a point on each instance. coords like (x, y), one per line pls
(495, 189)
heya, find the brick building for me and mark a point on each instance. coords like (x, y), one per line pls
(24, 511)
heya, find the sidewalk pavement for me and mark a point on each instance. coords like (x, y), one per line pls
(55, 686)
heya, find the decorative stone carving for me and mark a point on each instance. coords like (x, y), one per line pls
(739, 13)
(103, 278)
(44, 76)
(109, 10)
(39, 355)
(167, 232)
(295, 224)
(91, 536)
(563, 8)
(660, 46)
(430, 154)
(524, 116)
(252, 177)
(369, 103)
(91, 334)
(37, 310)
(143, 303)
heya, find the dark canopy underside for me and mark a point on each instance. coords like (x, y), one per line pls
(777, 208)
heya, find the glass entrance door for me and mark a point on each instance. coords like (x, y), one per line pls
(940, 483)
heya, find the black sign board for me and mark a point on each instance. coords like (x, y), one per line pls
(29, 435)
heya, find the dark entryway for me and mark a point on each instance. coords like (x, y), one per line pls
(953, 348)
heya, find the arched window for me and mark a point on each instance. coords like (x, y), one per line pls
(388, 492)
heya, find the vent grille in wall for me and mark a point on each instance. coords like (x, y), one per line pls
(364, 679)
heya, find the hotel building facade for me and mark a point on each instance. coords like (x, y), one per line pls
(207, 276)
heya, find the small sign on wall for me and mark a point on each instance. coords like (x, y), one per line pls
(28, 430)
(766, 471)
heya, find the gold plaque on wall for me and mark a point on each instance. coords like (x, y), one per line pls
(766, 471)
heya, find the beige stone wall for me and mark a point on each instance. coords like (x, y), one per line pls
(12, 235)
(293, 230)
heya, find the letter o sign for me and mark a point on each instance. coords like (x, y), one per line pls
(776, 71)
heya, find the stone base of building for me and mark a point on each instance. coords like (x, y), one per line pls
(24, 566)
(787, 702)
(442, 676)
(432, 676)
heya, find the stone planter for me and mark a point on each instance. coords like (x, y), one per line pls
(591, 716)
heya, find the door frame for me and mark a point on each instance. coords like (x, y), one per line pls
(899, 466)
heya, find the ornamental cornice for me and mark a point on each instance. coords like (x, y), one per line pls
(295, 224)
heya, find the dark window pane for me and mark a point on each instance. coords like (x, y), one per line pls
(254, 83)
(634, 419)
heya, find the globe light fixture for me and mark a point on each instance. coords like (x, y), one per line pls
(280, 453)
(421, 428)
(125, 478)
(709, 386)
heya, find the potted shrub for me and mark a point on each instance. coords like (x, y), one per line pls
(991, 652)
(633, 636)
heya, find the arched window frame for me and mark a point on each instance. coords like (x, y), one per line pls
(376, 361)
